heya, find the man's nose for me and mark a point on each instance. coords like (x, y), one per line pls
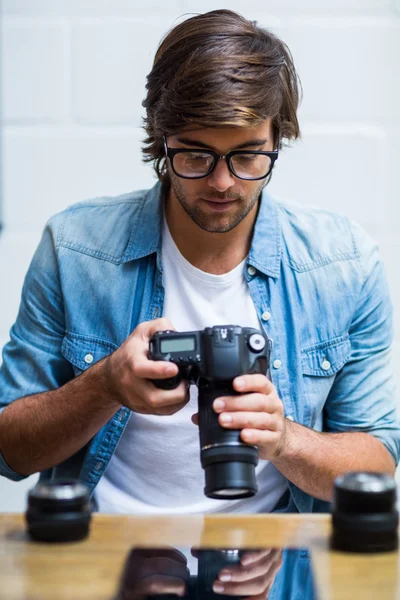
(221, 178)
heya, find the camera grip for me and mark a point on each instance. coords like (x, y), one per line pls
(168, 384)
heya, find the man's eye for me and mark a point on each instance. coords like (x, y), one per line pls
(197, 156)
(246, 158)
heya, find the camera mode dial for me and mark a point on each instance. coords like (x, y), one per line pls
(256, 342)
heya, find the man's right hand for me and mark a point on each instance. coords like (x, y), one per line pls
(129, 374)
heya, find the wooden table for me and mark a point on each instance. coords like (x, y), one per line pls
(92, 569)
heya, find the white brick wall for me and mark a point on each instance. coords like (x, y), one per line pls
(40, 91)
(62, 165)
(73, 74)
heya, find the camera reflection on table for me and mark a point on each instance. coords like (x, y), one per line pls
(222, 574)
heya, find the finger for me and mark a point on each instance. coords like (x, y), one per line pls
(248, 573)
(145, 330)
(275, 567)
(166, 402)
(251, 402)
(149, 399)
(257, 583)
(153, 369)
(251, 587)
(256, 437)
(251, 557)
(250, 420)
(195, 418)
(166, 411)
(255, 382)
(157, 396)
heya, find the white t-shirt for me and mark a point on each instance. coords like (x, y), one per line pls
(156, 467)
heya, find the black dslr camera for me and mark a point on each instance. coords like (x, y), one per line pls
(211, 359)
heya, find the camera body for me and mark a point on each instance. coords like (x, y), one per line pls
(211, 359)
(217, 354)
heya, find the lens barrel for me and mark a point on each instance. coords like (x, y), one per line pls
(58, 511)
(364, 517)
(229, 463)
(210, 563)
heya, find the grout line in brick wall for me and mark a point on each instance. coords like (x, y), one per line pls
(343, 21)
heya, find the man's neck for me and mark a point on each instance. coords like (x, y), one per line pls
(215, 253)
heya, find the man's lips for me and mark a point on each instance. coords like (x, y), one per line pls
(218, 205)
(219, 201)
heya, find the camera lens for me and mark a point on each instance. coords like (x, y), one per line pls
(229, 463)
(364, 517)
(210, 564)
(58, 511)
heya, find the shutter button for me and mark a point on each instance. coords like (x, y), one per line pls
(88, 359)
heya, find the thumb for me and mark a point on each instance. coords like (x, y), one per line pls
(146, 329)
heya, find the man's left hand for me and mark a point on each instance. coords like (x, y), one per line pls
(258, 412)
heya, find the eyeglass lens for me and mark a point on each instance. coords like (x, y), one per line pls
(197, 164)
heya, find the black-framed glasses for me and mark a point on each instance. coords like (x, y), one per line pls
(194, 163)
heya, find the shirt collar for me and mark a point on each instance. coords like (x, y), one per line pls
(146, 232)
(266, 248)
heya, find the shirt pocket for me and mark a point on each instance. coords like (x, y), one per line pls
(82, 351)
(320, 363)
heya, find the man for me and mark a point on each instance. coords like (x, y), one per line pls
(206, 246)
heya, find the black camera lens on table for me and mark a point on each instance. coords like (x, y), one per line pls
(364, 517)
(58, 511)
(211, 359)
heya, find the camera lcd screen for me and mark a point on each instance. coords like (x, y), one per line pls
(186, 344)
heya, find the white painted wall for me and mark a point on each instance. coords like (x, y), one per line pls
(73, 74)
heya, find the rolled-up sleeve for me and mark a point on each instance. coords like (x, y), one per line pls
(363, 395)
(32, 359)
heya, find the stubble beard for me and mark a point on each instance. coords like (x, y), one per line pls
(216, 223)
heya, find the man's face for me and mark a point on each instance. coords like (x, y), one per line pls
(219, 202)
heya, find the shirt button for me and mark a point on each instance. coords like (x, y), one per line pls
(277, 363)
(289, 418)
(88, 359)
(266, 316)
(251, 270)
(326, 365)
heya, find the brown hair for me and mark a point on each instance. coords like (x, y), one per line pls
(219, 70)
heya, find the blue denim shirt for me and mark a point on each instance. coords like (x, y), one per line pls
(316, 281)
